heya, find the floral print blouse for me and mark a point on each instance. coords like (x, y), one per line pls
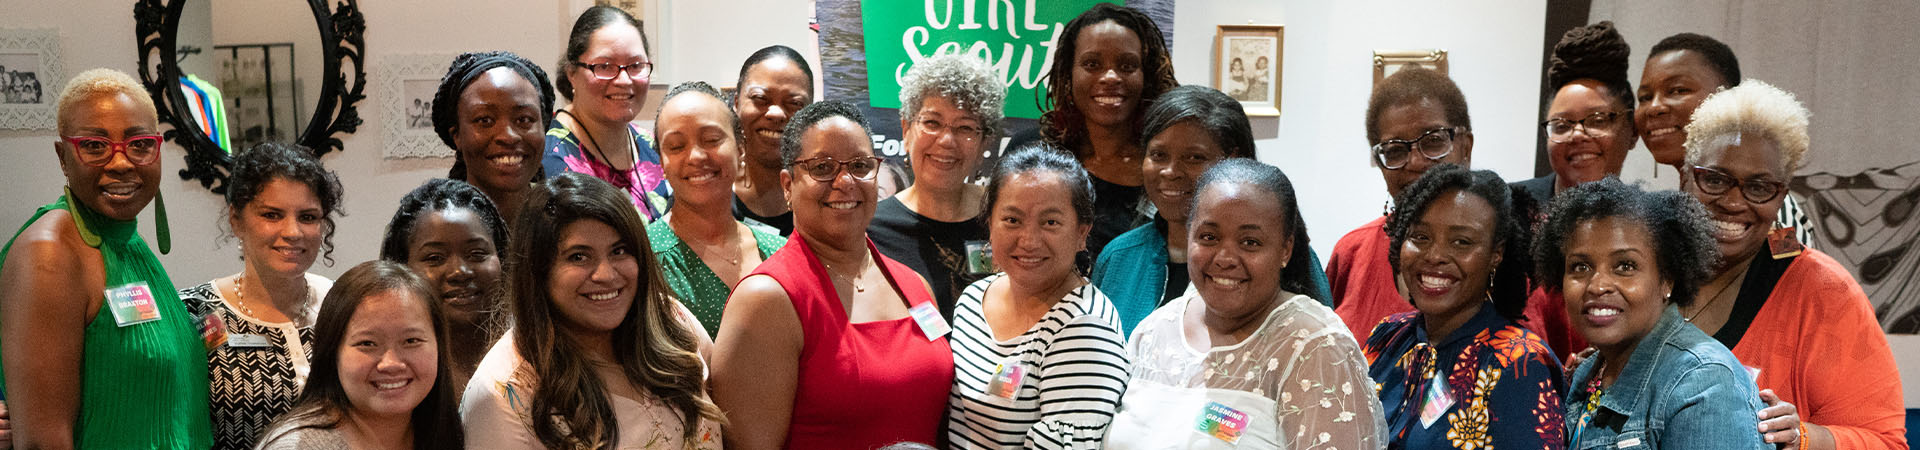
(646, 184)
(1298, 382)
(1488, 384)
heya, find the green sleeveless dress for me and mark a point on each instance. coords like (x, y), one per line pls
(143, 385)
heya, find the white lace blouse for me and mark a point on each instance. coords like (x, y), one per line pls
(1298, 382)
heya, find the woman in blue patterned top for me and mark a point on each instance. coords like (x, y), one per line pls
(604, 74)
(1459, 372)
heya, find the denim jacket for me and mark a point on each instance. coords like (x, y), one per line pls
(1680, 390)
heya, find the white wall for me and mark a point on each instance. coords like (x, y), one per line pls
(1327, 76)
(1320, 138)
(100, 34)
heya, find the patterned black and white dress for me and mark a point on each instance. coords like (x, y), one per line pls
(255, 377)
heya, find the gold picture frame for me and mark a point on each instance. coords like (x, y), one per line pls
(1386, 62)
(1246, 65)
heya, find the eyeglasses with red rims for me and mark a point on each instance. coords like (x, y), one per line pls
(1717, 182)
(824, 168)
(608, 71)
(98, 151)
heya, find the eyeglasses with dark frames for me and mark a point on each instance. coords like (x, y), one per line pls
(1598, 125)
(608, 71)
(825, 169)
(1717, 182)
(1434, 144)
(98, 151)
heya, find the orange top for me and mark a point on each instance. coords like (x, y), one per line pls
(1361, 278)
(1815, 343)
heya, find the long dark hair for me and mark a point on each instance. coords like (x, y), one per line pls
(1062, 124)
(655, 352)
(323, 402)
(590, 21)
(1512, 240)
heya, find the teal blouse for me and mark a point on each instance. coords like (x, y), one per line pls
(692, 282)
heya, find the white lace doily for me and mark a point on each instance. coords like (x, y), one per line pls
(36, 51)
(394, 73)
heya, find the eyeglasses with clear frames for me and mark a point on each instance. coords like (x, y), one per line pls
(963, 133)
(607, 71)
(825, 169)
(1717, 182)
(1598, 125)
(1434, 144)
(98, 151)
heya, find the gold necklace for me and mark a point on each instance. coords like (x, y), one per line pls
(857, 288)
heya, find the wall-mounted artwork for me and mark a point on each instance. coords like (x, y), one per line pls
(1386, 62)
(29, 78)
(1870, 222)
(1246, 65)
(407, 84)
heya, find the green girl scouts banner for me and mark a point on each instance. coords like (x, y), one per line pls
(1015, 37)
(866, 47)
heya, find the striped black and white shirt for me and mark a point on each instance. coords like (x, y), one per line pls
(1058, 383)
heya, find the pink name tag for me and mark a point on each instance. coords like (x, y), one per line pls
(1222, 422)
(132, 304)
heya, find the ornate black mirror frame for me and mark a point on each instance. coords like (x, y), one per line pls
(342, 30)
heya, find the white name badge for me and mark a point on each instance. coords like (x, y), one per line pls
(240, 340)
(928, 317)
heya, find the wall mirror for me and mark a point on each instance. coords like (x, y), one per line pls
(229, 74)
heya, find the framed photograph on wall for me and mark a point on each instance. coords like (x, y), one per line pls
(1246, 65)
(1386, 62)
(407, 84)
(30, 78)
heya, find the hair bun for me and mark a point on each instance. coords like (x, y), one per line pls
(1595, 51)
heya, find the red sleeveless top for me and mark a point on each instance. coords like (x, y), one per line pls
(862, 385)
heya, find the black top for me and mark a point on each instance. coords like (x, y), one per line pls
(782, 222)
(934, 249)
(1541, 189)
(1762, 275)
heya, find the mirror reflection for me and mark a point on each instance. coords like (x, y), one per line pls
(253, 66)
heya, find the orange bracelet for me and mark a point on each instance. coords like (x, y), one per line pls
(1803, 436)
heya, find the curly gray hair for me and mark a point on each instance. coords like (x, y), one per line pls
(967, 81)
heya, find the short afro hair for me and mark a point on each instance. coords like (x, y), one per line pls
(811, 115)
(95, 82)
(1678, 225)
(1595, 52)
(1511, 238)
(1719, 57)
(1409, 86)
(1752, 109)
(440, 194)
(966, 81)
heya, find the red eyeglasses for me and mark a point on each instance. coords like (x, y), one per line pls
(98, 151)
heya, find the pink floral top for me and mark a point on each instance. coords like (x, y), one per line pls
(646, 184)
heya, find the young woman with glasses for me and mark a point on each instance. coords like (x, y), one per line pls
(604, 73)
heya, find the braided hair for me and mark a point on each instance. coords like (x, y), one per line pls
(439, 194)
(1062, 124)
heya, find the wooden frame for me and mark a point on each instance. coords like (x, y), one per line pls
(1385, 62)
(1248, 46)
